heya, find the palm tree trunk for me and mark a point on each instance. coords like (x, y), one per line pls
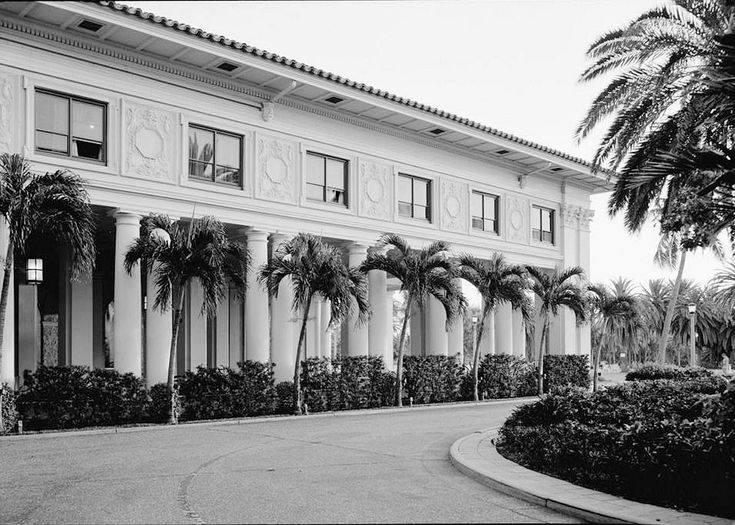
(401, 341)
(670, 311)
(595, 364)
(3, 311)
(544, 339)
(178, 302)
(476, 358)
(297, 395)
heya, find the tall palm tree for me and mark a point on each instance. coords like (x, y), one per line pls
(316, 269)
(557, 289)
(617, 314)
(424, 273)
(54, 205)
(497, 282)
(175, 253)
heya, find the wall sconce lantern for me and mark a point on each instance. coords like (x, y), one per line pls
(34, 271)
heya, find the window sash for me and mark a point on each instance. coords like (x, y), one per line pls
(485, 211)
(326, 179)
(543, 225)
(409, 204)
(210, 167)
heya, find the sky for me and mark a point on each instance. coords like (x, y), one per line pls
(510, 64)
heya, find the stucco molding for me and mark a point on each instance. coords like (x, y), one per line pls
(8, 96)
(453, 206)
(570, 215)
(375, 195)
(149, 143)
(276, 176)
(585, 218)
(517, 211)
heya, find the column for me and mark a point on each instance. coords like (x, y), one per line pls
(585, 331)
(570, 250)
(197, 327)
(257, 335)
(436, 328)
(326, 337)
(357, 334)
(29, 336)
(504, 328)
(222, 327)
(487, 343)
(283, 340)
(158, 325)
(519, 334)
(81, 322)
(235, 335)
(378, 327)
(7, 352)
(127, 338)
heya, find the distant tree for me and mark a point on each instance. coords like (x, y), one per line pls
(316, 270)
(424, 273)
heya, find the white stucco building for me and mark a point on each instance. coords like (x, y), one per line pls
(157, 116)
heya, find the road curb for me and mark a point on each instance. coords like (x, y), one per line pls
(476, 457)
(254, 419)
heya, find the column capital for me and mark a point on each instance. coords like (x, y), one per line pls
(279, 237)
(126, 217)
(585, 217)
(570, 214)
(253, 235)
(357, 248)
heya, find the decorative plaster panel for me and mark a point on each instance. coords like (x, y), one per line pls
(276, 176)
(516, 209)
(585, 217)
(570, 214)
(453, 206)
(149, 143)
(375, 196)
(8, 97)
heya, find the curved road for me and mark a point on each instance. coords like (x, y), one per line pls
(358, 467)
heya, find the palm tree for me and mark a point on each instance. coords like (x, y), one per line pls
(554, 290)
(497, 282)
(616, 312)
(175, 253)
(424, 273)
(316, 269)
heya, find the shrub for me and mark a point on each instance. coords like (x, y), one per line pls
(74, 396)
(666, 441)
(159, 402)
(501, 376)
(9, 412)
(284, 397)
(562, 371)
(654, 371)
(432, 379)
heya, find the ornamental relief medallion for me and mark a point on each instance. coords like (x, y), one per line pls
(149, 143)
(517, 216)
(453, 206)
(276, 173)
(7, 114)
(375, 190)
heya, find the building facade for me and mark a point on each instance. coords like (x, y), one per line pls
(159, 117)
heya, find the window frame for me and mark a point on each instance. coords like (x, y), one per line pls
(552, 225)
(429, 198)
(70, 136)
(483, 218)
(345, 179)
(213, 180)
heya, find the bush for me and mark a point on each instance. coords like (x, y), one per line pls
(653, 371)
(159, 402)
(74, 396)
(284, 397)
(432, 379)
(9, 412)
(501, 376)
(561, 371)
(665, 442)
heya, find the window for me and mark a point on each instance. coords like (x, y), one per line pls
(215, 156)
(326, 179)
(414, 197)
(70, 126)
(485, 211)
(543, 224)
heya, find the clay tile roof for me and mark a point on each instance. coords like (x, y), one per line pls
(160, 20)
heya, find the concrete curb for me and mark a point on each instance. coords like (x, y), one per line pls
(55, 434)
(475, 456)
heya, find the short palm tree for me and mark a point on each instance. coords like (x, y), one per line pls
(617, 314)
(315, 269)
(497, 282)
(560, 288)
(424, 273)
(175, 253)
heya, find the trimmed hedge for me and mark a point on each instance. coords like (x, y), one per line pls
(664, 442)
(502, 376)
(431, 379)
(654, 371)
(561, 371)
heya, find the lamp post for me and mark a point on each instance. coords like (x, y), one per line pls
(692, 354)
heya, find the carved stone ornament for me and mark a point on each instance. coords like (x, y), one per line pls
(7, 114)
(149, 141)
(517, 216)
(454, 206)
(276, 175)
(375, 190)
(570, 215)
(585, 217)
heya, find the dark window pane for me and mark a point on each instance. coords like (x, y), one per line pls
(87, 121)
(404, 209)
(227, 151)
(476, 204)
(315, 192)
(86, 150)
(201, 145)
(477, 223)
(200, 170)
(315, 169)
(51, 142)
(404, 188)
(546, 236)
(336, 196)
(52, 113)
(420, 192)
(228, 175)
(335, 174)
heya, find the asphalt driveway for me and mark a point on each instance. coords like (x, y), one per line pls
(376, 467)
